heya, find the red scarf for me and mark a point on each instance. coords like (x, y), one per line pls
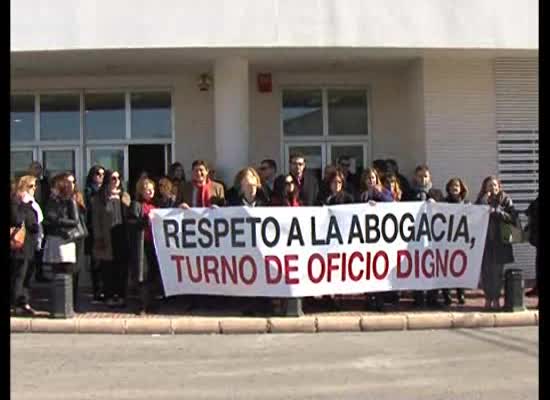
(204, 194)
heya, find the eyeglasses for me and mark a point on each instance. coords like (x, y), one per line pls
(345, 165)
(262, 168)
(299, 164)
(338, 182)
(32, 186)
(289, 182)
(98, 173)
(115, 178)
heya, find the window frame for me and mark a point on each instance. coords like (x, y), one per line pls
(326, 140)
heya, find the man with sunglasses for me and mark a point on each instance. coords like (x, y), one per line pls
(308, 185)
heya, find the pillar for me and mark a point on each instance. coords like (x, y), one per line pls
(231, 121)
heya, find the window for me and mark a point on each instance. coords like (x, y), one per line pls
(302, 113)
(325, 124)
(58, 161)
(151, 115)
(105, 116)
(112, 159)
(22, 118)
(20, 160)
(347, 112)
(60, 117)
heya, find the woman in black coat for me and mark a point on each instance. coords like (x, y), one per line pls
(60, 220)
(143, 257)
(496, 253)
(457, 191)
(23, 214)
(336, 193)
(93, 184)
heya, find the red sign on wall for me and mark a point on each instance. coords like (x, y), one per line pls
(264, 83)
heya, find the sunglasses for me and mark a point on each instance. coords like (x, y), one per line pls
(289, 183)
(339, 182)
(115, 178)
(32, 186)
(100, 173)
(262, 168)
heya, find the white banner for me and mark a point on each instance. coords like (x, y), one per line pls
(313, 251)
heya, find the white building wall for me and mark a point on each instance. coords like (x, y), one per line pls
(460, 120)
(102, 24)
(388, 110)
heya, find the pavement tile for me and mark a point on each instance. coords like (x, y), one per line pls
(20, 324)
(195, 325)
(383, 323)
(521, 318)
(44, 325)
(292, 325)
(243, 325)
(103, 325)
(149, 326)
(339, 324)
(429, 321)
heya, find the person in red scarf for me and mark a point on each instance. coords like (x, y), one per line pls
(143, 258)
(202, 191)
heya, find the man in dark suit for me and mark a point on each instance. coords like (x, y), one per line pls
(268, 173)
(308, 184)
(351, 184)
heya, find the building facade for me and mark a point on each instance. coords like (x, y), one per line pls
(136, 85)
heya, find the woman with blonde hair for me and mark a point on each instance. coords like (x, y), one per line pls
(371, 187)
(497, 252)
(248, 189)
(166, 197)
(24, 216)
(143, 257)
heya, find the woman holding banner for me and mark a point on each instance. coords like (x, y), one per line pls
(372, 191)
(249, 191)
(497, 252)
(457, 191)
(143, 257)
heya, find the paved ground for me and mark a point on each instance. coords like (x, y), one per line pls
(446, 364)
(231, 306)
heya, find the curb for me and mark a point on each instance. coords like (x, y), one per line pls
(307, 324)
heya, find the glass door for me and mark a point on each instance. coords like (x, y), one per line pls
(314, 154)
(357, 153)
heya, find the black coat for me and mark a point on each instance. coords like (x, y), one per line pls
(309, 191)
(261, 200)
(505, 212)
(417, 194)
(340, 198)
(137, 223)
(533, 222)
(163, 202)
(81, 243)
(23, 213)
(60, 217)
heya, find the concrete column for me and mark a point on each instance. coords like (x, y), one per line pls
(231, 117)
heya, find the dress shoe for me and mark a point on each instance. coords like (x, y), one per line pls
(532, 293)
(26, 310)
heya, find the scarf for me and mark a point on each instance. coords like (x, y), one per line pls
(27, 198)
(204, 194)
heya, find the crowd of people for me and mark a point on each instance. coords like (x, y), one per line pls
(103, 230)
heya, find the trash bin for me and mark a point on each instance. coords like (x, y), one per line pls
(513, 290)
(62, 296)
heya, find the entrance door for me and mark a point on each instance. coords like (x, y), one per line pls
(149, 158)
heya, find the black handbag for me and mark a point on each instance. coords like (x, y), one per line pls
(78, 232)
